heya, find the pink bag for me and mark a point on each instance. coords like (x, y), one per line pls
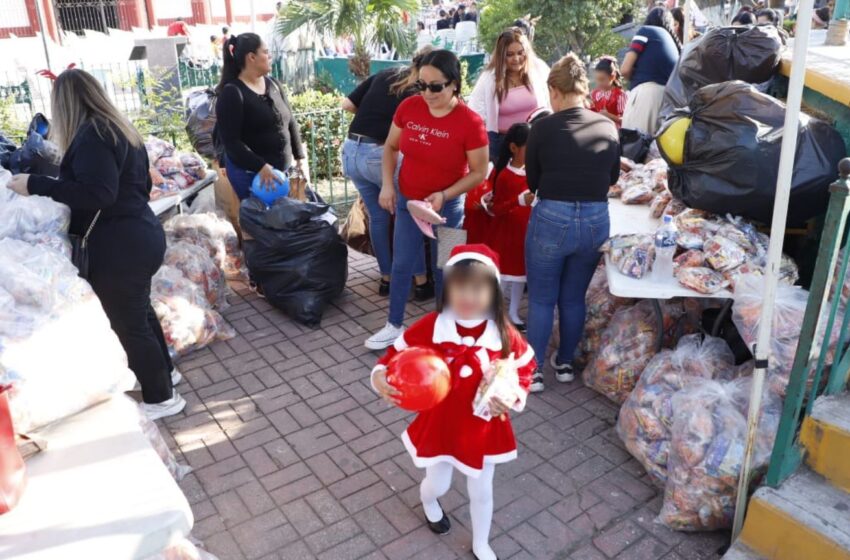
(12, 469)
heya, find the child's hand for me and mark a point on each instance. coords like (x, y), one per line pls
(387, 391)
(498, 406)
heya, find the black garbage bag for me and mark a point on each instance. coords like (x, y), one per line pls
(634, 144)
(749, 54)
(200, 125)
(7, 148)
(297, 258)
(37, 156)
(731, 156)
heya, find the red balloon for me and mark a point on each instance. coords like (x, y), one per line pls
(422, 377)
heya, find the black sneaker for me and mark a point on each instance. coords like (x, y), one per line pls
(563, 372)
(536, 382)
(383, 288)
(424, 292)
(441, 527)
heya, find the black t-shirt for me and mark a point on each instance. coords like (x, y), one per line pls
(445, 23)
(257, 129)
(376, 105)
(573, 156)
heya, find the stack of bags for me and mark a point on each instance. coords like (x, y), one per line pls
(172, 171)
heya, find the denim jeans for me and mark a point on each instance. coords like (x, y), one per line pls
(241, 179)
(407, 243)
(561, 254)
(362, 164)
(495, 145)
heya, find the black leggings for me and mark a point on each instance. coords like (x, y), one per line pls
(124, 253)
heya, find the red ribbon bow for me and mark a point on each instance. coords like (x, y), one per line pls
(460, 355)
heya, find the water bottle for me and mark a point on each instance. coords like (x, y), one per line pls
(665, 247)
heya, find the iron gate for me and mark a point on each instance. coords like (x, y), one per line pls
(75, 16)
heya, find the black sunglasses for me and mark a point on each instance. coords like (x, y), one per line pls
(433, 88)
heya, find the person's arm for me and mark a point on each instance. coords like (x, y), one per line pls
(346, 105)
(229, 112)
(387, 197)
(96, 170)
(477, 99)
(355, 98)
(628, 67)
(532, 165)
(478, 161)
(503, 198)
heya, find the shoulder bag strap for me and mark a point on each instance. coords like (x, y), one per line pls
(91, 227)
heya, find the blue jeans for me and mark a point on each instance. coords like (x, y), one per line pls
(407, 244)
(362, 164)
(241, 179)
(561, 254)
(495, 145)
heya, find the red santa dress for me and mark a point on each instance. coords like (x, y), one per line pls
(510, 222)
(450, 432)
(476, 220)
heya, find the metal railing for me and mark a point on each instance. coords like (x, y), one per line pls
(293, 68)
(820, 368)
(322, 134)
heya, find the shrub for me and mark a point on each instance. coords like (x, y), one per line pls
(323, 128)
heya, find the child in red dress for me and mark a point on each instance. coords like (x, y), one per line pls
(477, 219)
(608, 98)
(471, 331)
(511, 208)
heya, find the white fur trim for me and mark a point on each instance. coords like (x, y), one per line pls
(425, 462)
(465, 371)
(519, 405)
(521, 198)
(517, 170)
(526, 357)
(376, 369)
(473, 256)
(400, 343)
(445, 330)
(510, 278)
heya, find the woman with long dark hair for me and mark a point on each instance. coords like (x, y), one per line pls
(374, 103)
(255, 122)
(648, 64)
(444, 144)
(511, 87)
(104, 179)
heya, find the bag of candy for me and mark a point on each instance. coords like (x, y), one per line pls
(659, 203)
(196, 264)
(157, 148)
(674, 208)
(723, 254)
(701, 279)
(640, 193)
(646, 417)
(212, 232)
(632, 254)
(708, 438)
(601, 306)
(692, 257)
(626, 347)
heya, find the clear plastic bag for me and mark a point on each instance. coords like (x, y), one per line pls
(674, 208)
(638, 194)
(701, 279)
(34, 219)
(212, 232)
(646, 418)
(659, 203)
(157, 148)
(723, 254)
(626, 347)
(197, 265)
(633, 255)
(193, 165)
(188, 321)
(57, 347)
(690, 258)
(708, 438)
(601, 306)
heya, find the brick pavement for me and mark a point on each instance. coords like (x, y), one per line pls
(294, 457)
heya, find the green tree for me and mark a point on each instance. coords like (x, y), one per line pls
(581, 26)
(370, 23)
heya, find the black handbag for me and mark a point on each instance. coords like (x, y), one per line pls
(80, 249)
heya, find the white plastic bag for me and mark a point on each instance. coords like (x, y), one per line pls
(35, 219)
(197, 265)
(149, 428)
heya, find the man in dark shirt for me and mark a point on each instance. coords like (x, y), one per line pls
(460, 15)
(444, 22)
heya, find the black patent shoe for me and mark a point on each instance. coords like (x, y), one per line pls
(424, 292)
(441, 527)
(383, 288)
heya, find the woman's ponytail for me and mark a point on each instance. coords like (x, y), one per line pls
(234, 52)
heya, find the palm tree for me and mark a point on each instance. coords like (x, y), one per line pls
(371, 23)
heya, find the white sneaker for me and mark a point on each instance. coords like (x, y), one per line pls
(176, 378)
(166, 408)
(384, 338)
(563, 372)
(536, 382)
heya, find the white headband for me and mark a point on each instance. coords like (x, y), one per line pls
(473, 256)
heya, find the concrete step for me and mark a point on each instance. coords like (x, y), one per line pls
(740, 551)
(826, 437)
(806, 518)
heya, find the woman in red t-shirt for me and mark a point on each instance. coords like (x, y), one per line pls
(444, 144)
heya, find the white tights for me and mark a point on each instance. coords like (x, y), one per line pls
(513, 292)
(438, 480)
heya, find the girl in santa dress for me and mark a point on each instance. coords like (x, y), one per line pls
(471, 331)
(511, 208)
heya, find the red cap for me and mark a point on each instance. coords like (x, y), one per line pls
(475, 252)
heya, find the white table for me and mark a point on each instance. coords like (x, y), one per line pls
(166, 203)
(98, 491)
(631, 219)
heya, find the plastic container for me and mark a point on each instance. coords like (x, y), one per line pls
(666, 238)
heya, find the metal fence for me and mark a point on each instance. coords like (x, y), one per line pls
(294, 68)
(822, 360)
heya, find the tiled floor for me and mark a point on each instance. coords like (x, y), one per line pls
(296, 458)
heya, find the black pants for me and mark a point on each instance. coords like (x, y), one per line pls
(124, 253)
